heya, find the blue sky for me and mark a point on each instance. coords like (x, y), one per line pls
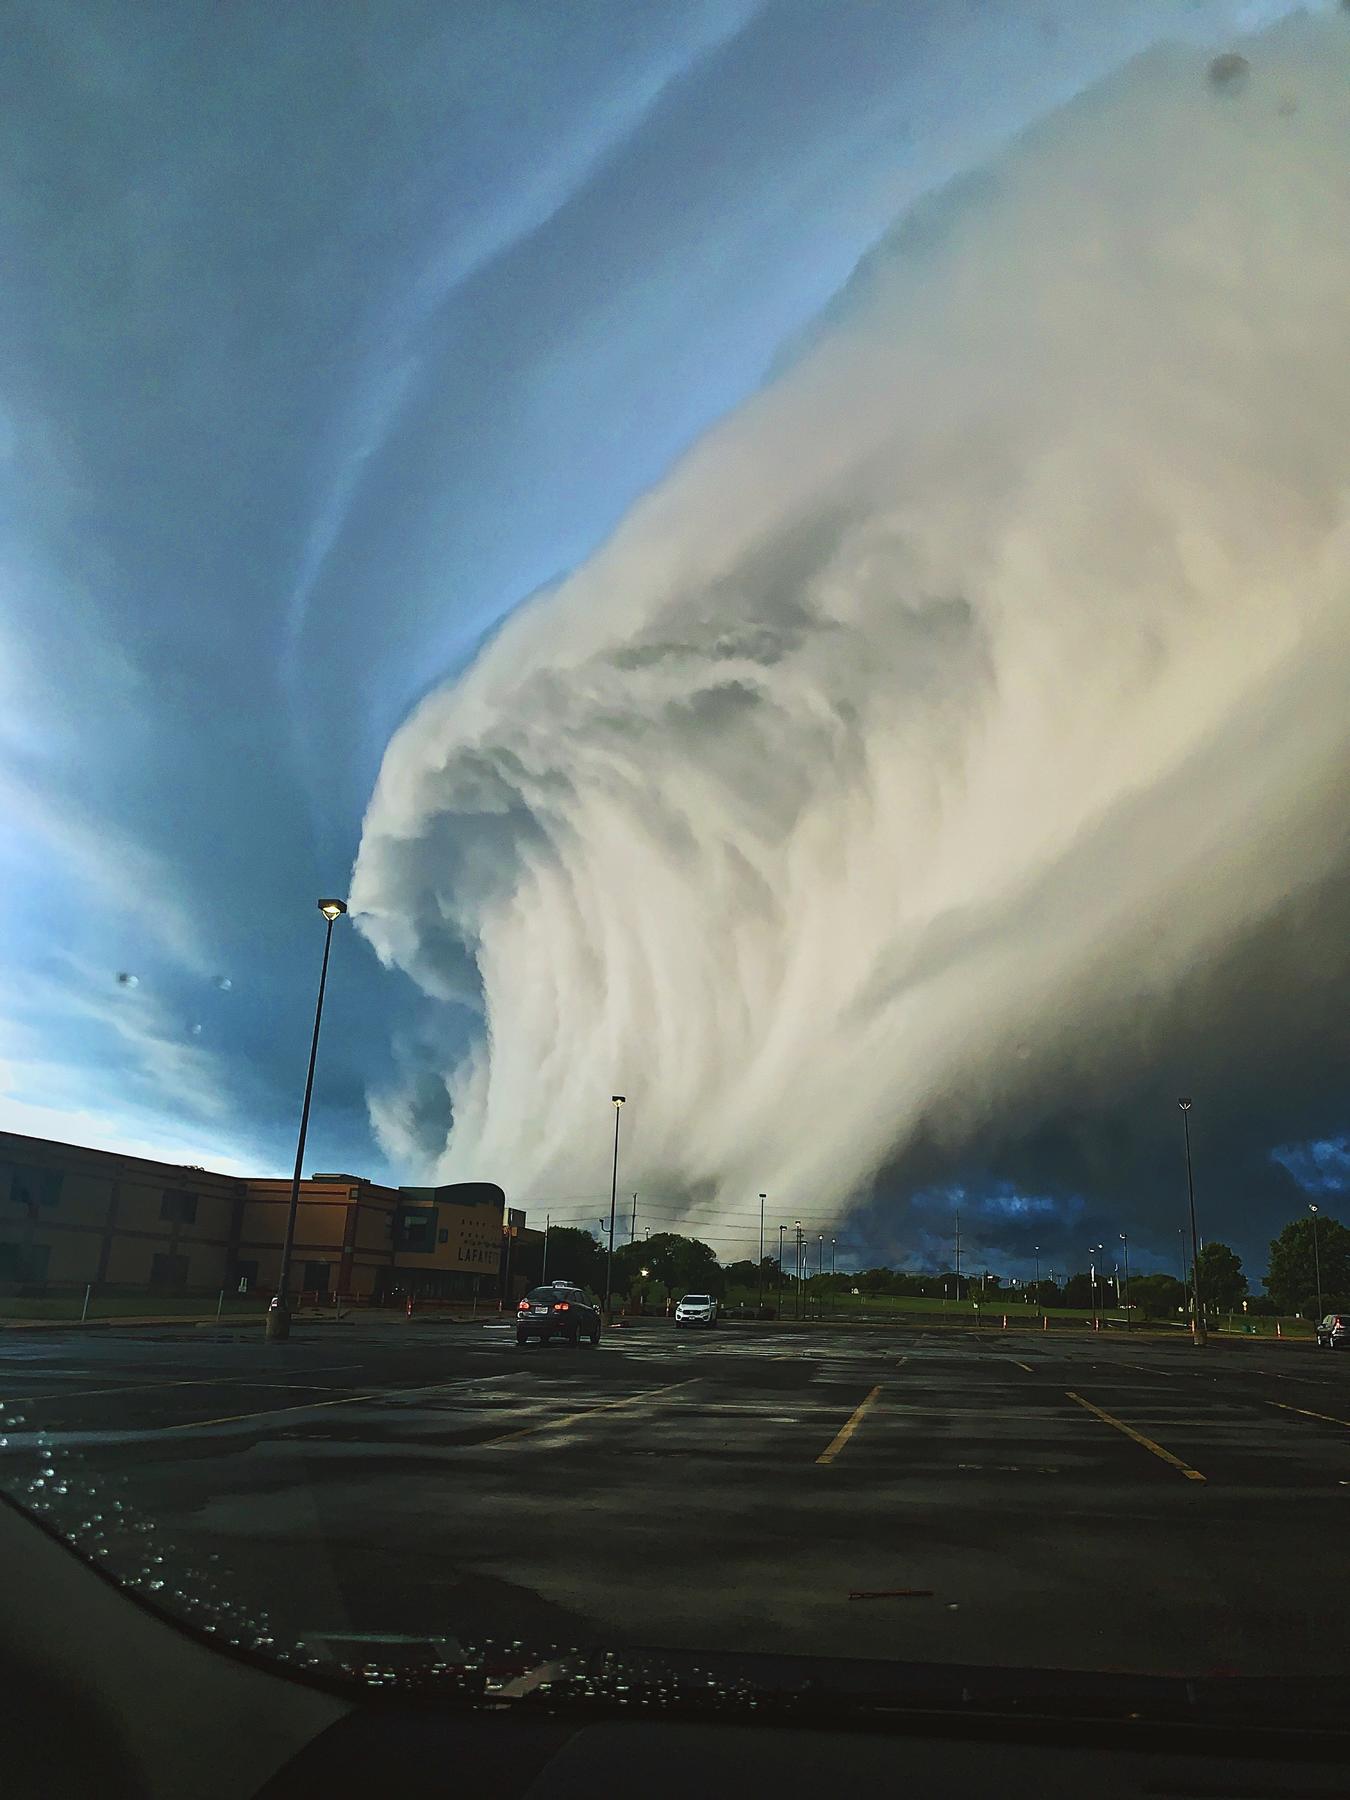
(326, 349)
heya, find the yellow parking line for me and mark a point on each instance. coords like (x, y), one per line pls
(271, 1413)
(846, 1432)
(1139, 1438)
(509, 1437)
(1309, 1415)
(348, 1399)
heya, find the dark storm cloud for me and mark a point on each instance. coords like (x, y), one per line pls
(1040, 785)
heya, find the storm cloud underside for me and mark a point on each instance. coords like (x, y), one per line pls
(884, 798)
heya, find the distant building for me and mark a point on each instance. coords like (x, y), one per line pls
(70, 1215)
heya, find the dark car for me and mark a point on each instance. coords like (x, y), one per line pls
(559, 1310)
(1334, 1332)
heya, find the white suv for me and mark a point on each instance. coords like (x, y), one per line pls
(695, 1309)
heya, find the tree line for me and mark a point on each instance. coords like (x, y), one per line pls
(670, 1263)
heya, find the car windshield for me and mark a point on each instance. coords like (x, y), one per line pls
(705, 638)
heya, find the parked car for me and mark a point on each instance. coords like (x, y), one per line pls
(559, 1310)
(1334, 1332)
(695, 1309)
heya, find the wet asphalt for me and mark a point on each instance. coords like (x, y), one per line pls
(927, 1494)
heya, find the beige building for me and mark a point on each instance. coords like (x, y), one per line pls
(70, 1216)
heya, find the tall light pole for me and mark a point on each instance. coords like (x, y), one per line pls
(1126, 1255)
(782, 1233)
(617, 1102)
(1314, 1209)
(277, 1325)
(1093, 1250)
(820, 1255)
(1036, 1252)
(1198, 1323)
(834, 1245)
(801, 1244)
(762, 1199)
(958, 1259)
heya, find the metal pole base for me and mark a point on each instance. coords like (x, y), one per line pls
(277, 1324)
(1199, 1339)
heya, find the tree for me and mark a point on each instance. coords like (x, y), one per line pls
(1078, 1291)
(1222, 1283)
(682, 1265)
(574, 1255)
(743, 1274)
(1158, 1296)
(1291, 1280)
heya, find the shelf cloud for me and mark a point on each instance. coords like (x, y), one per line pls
(957, 735)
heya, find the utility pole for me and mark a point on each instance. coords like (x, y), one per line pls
(1198, 1328)
(958, 1259)
(543, 1273)
(801, 1242)
(762, 1199)
(782, 1232)
(632, 1229)
(833, 1246)
(1125, 1243)
(1313, 1208)
(1036, 1252)
(617, 1102)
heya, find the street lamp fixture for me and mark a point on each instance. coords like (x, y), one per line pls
(277, 1325)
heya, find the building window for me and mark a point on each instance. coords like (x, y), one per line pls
(23, 1263)
(168, 1271)
(175, 1204)
(246, 1275)
(31, 1187)
(442, 1237)
(315, 1278)
(416, 1230)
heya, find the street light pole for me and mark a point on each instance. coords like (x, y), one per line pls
(1092, 1268)
(616, 1101)
(1313, 1208)
(1126, 1255)
(834, 1245)
(958, 1259)
(1198, 1324)
(762, 1199)
(1036, 1252)
(801, 1241)
(782, 1233)
(277, 1326)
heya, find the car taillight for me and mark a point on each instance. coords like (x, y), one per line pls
(524, 1306)
(562, 1306)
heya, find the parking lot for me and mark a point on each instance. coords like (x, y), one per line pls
(929, 1495)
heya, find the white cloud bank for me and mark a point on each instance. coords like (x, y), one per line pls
(958, 693)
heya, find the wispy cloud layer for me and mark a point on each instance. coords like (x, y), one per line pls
(902, 754)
